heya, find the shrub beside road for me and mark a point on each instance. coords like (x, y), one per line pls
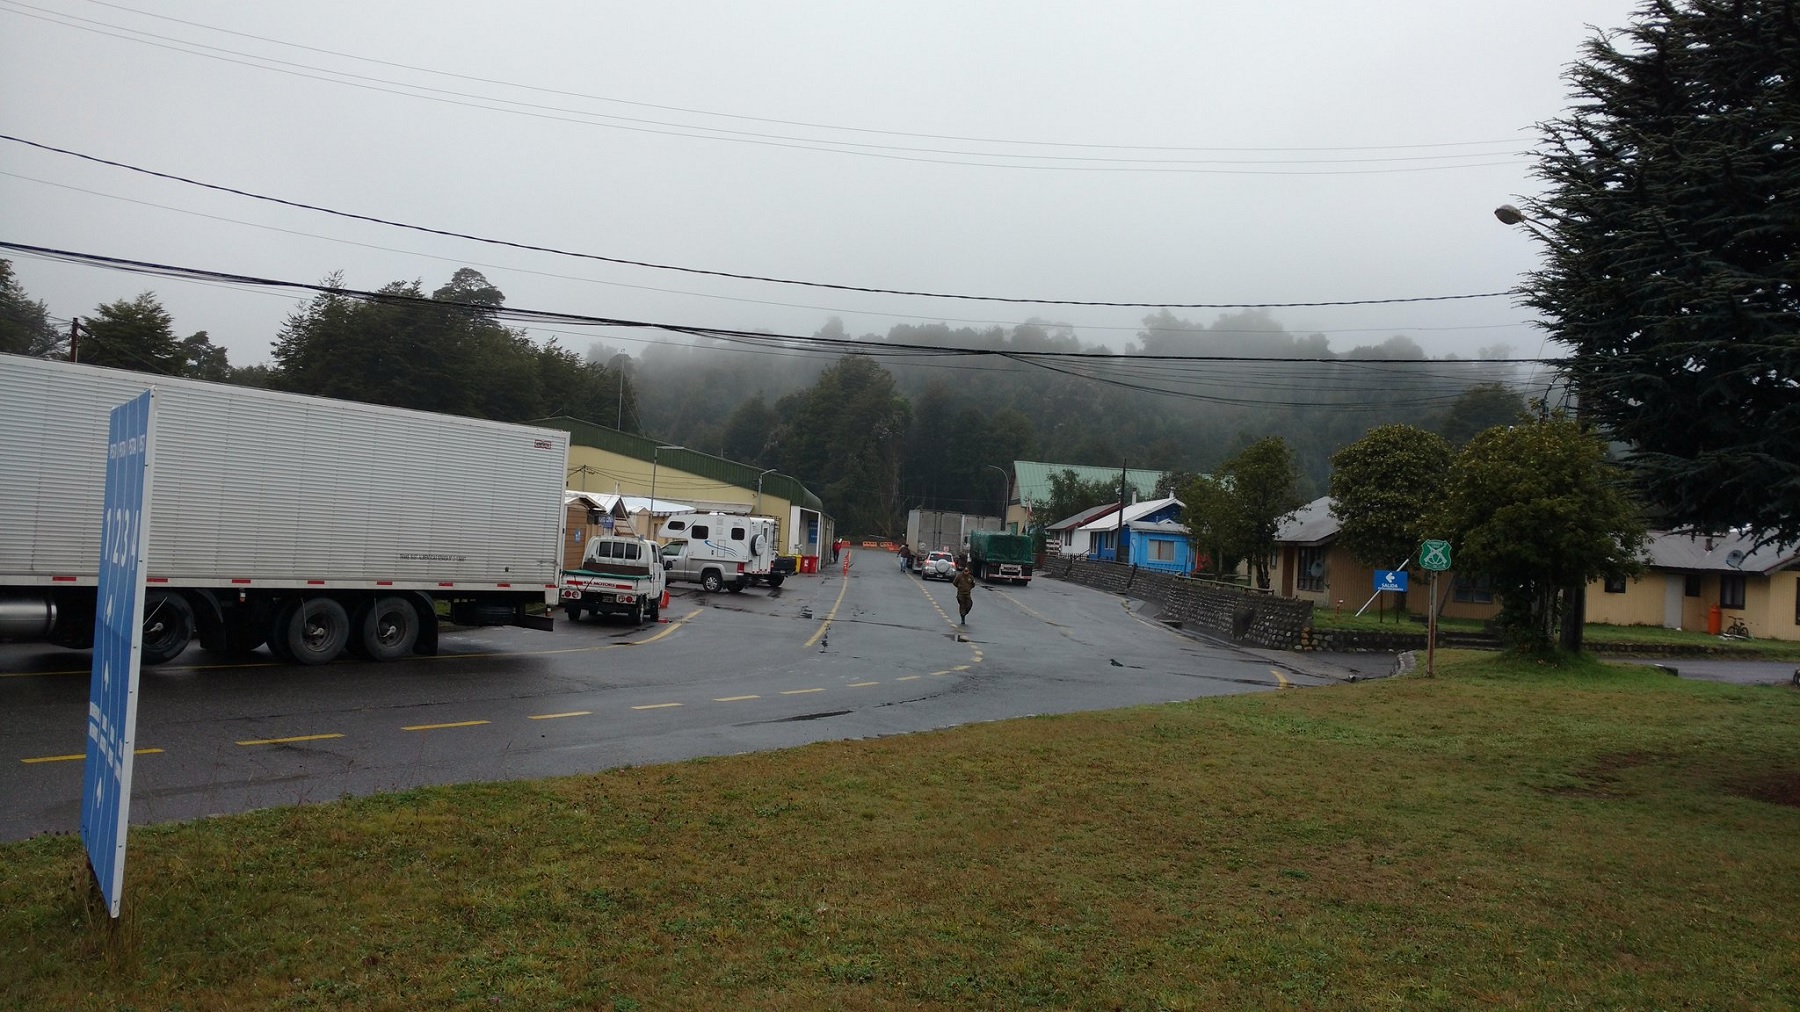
(1509, 833)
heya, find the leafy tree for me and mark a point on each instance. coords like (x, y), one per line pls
(1537, 508)
(1069, 495)
(1478, 409)
(24, 323)
(133, 334)
(1264, 481)
(750, 431)
(1672, 236)
(205, 360)
(841, 437)
(1215, 523)
(1383, 486)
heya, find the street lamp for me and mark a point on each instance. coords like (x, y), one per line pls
(759, 479)
(1575, 594)
(655, 455)
(1006, 484)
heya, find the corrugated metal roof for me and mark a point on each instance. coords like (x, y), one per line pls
(1698, 553)
(1033, 478)
(1133, 513)
(1086, 516)
(1310, 525)
(625, 444)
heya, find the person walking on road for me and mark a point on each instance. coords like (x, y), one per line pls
(965, 587)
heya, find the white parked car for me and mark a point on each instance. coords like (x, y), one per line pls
(937, 565)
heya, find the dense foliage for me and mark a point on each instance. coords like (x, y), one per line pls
(1539, 510)
(1382, 486)
(1672, 230)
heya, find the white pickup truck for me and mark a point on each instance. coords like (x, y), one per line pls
(619, 575)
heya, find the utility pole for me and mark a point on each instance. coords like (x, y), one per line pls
(74, 336)
(1119, 524)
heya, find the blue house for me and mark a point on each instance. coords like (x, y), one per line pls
(1144, 534)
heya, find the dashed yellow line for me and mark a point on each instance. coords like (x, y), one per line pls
(944, 672)
(553, 716)
(81, 755)
(908, 678)
(655, 706)
(799, 692)
(285, 741)
(435, 727)
(734, 699)
(860, 685)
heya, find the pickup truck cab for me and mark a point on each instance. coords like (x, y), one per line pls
(619, 575)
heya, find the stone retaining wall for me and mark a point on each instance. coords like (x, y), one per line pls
(1231, 613)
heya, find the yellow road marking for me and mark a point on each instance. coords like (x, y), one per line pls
(907, 678)
(960, 667)
(799, 692)
(553, 716)
(734, 699)
(861, 685)
(284, 741)
(83, 755)
(1281, 680)
(434, 727)
(830, 614)
(656, 706)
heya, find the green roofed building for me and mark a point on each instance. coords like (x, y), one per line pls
(1031, 487)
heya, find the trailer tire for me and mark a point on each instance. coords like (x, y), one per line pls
(775, 579)
(572, 612)
(311, 631)
(168, 626)
(389, 629)
(712, 582)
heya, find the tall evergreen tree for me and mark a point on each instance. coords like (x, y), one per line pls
(1672, 237)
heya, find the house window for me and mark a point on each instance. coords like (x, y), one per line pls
(1731, 590)
(1311, 566)
(1615, 585)
(1691, 585)
(1474, 589)
(1162, 551)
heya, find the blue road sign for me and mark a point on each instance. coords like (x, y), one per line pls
(118, 643)
(1391, 579)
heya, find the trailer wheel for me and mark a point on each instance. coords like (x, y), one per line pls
(573, 611)
(775, 579)
(712, 583)
(168, 626)
(390, 629)
(312, 631)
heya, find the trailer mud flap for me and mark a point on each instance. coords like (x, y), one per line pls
(542, 623)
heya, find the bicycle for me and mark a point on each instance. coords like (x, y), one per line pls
(1735, 631)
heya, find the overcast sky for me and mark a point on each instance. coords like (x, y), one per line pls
(1188, 152)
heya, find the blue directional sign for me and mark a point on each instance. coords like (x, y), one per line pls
(118, 643)
(1391, 579)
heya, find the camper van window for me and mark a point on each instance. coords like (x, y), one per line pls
(700, 531)
(737, 534)
(675, 525)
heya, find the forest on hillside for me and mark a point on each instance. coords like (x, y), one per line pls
(925, 415)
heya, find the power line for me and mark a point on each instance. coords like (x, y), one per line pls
(735, 276)
(767, 119)
(845, 345)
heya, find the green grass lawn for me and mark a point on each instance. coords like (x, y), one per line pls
(1506, 834)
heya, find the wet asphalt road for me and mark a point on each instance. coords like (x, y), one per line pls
(826, 657)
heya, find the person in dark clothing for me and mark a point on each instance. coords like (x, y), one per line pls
(965, 589)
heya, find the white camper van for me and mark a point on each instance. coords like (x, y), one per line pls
(722, 551)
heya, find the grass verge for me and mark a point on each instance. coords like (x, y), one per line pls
(1506, 834)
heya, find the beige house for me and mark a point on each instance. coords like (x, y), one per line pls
(1703, 584)
(1310, 565)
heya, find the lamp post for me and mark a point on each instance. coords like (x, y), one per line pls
(759, 479)
(1575, 593)
(655, 456)
(1006, 484)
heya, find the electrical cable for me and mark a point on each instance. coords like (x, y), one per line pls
(736, 276)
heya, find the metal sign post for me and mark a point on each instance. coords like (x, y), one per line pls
(118, 644)
(1434, 556)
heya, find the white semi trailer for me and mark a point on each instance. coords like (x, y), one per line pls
(315, 526)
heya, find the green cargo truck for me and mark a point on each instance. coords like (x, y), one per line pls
(997, 555)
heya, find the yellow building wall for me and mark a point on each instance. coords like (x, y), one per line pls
(595, 470)
(1642, 603)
